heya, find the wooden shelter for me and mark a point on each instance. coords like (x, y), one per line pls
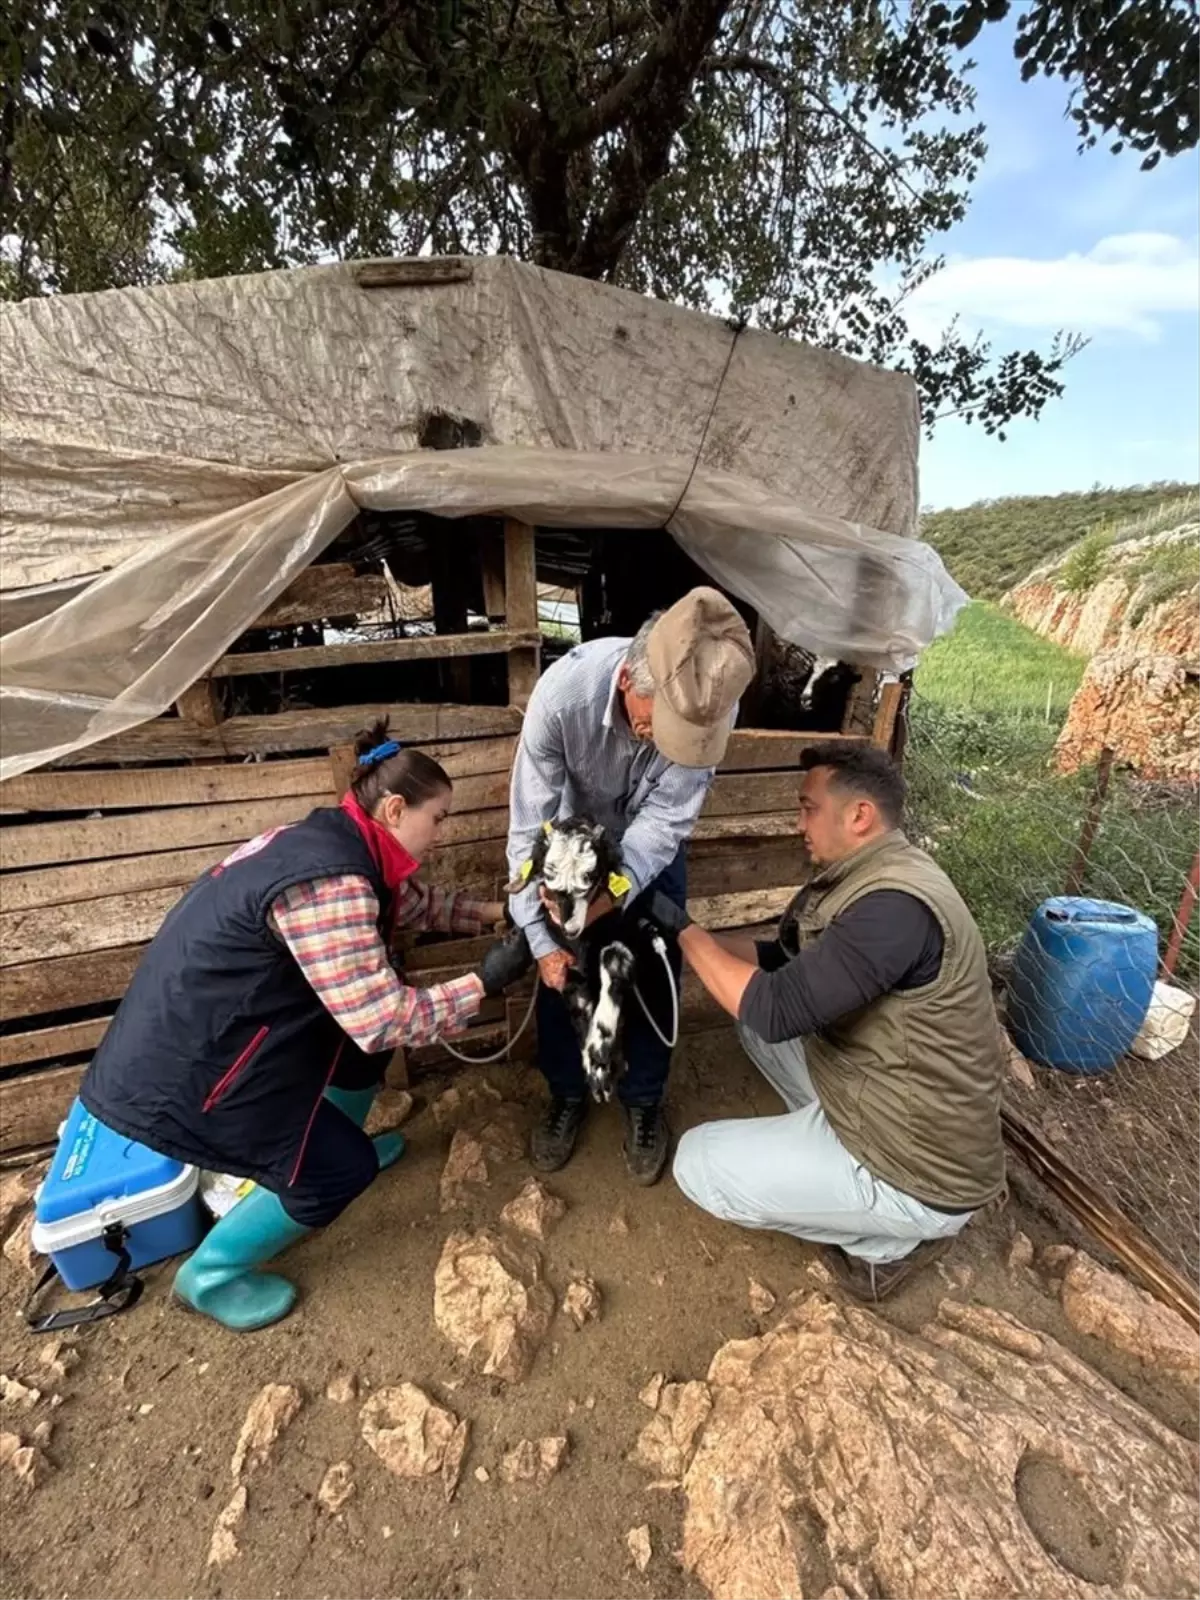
(275, 655)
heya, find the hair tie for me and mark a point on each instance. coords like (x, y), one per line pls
(380, 753)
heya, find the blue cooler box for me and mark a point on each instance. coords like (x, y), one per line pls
(99, 1178)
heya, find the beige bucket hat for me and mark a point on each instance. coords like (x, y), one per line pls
(702, 659)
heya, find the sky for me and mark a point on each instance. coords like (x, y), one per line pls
(1086, 242)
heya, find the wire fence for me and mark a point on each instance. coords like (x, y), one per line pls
(1105, 1065)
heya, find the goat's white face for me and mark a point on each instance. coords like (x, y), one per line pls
(570, 875)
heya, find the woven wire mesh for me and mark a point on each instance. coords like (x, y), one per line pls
(988, 799)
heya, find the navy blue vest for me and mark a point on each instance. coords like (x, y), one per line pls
(221, 1050)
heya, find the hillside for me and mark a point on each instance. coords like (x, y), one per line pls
(993, 544)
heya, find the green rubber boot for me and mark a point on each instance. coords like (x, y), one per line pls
(356, 1104)
(219, 1279)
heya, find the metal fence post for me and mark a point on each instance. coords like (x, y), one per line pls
(1183, 917)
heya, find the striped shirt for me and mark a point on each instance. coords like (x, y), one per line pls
(331, 927)
(577, 753)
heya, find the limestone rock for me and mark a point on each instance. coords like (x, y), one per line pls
(59, 1356)
(491, 1302)
(42, 1432)
(466, 1164)
(1109, 1307)
(17, 1190)
(10, 1443)
(842, 1453)
(390, 1108)
(1054, 1259)
(30, 1466)
(342, 1388)
(336, 1487)
(452, 1461)
(651, 1393)
(465, 1099)
(1019, 1068)
(272, 1408)
(582, 1302)
(762, 1301)
(535, 1461)
(1020, 1253)
(18, 1247)
(1145, 708)
(618, 1224)
(637, 1542)
(20, 1396)
(665, 1444)
(223, 1546)
(534, 1210)
(407, 1431)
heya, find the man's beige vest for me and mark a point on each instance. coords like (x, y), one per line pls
(911, 1083)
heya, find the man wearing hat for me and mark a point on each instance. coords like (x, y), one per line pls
(627, 732)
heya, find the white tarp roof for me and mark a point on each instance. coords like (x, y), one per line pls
(199, 443)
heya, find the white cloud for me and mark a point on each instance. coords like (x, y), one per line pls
(1125, 284)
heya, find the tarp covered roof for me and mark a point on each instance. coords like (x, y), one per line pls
(198, 444)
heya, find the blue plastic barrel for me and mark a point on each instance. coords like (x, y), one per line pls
(1082, 983)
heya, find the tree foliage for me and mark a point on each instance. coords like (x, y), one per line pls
(788, 163)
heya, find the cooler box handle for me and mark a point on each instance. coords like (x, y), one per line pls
(120, 1291)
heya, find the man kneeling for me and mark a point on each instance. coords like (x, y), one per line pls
(871, 1014)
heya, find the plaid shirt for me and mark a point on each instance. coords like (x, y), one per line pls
(331, 927)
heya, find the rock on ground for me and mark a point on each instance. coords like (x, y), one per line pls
(651, 1393)
(17, 1190)
(272, 1408)
(465, 1099)
(409, 1433)
(390, 1108)
(452, 1461)
(535, 1461)
(20, 1396)
(336, 1487)
(534, 1210)
(1020, 1252)
(342, 1388)
(762, 1301)
(490, 1301)
(978, 1457)
(59, 1356)
(466, 1165)
(582, 1302)
(665, 1443)
(223, 1546)
(18, 1247)
(1109, 1307)
(637, 1542)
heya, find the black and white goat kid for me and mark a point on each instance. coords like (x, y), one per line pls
(571, 863)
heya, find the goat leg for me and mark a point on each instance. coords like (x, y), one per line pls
(601, 1050)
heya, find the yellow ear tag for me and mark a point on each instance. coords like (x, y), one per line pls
(618, 885)
(547, 828)
(526, 869)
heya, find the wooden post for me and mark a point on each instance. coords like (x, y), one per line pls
(491, 552)
(198, 704)
(891, 697)
(1183, 918)
(342, 761)
(520, 605)
(1091, 824)
(859, 714)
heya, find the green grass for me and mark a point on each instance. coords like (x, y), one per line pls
(993, 544)
(1163, 573)
(986, 800)
(991, 662)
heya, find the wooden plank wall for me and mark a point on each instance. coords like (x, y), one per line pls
(93, 856)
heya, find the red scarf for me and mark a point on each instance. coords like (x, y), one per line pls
(392, 859)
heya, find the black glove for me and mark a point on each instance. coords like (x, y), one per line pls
(671, 918)
(506, 961)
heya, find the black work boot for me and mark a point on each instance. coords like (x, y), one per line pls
(553, 1140)
(647, 1143)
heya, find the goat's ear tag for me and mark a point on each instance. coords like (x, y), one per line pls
(547, 828)
(618, 885)
(526, 869)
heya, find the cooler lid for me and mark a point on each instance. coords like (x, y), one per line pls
(93, 1166)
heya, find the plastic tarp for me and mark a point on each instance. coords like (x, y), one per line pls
(204, 442)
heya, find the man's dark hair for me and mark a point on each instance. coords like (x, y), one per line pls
(862, 770)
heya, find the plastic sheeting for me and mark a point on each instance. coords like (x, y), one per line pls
(198, 444)
(127, 646)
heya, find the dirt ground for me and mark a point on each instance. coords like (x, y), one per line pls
(143, 1439)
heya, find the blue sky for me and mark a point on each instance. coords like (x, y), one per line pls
(1088, 242)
